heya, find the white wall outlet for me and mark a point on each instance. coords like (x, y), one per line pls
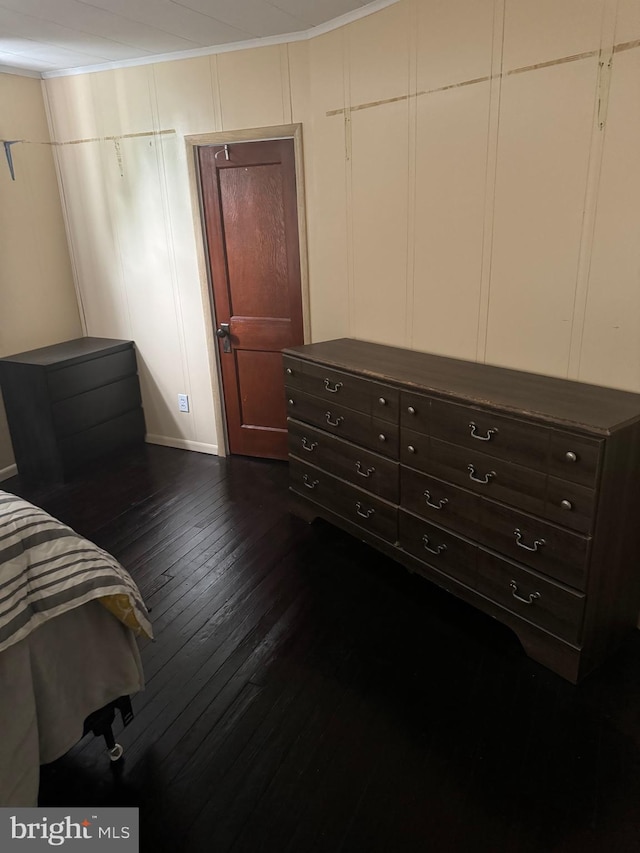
(183, 402)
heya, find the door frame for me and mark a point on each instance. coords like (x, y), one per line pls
(256, 134)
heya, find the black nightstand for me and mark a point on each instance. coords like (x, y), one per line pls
(71, 403)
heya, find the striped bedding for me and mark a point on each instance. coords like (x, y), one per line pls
(47, 569)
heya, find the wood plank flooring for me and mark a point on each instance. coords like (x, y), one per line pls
(306, 694)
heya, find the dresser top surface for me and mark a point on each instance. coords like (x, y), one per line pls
(591, 408)
(68, 352)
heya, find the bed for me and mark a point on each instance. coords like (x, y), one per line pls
(69, 618)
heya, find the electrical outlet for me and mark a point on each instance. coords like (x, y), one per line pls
(183, 402)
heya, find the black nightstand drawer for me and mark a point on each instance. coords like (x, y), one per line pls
(94, 407)
(69, 381)
(83, 447)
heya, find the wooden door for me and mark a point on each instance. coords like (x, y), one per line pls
(251, 223)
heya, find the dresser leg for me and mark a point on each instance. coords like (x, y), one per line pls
(557, 656)
(302, 508)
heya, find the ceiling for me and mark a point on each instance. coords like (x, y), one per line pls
(51, 36)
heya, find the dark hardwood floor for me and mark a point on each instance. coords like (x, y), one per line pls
(307, 695)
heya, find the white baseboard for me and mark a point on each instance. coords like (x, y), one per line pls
(9, 471)
(182, 444)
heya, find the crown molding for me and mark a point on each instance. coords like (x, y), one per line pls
(20, 72)
(304, 35)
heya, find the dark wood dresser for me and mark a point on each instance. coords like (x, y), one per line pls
(517, 492)
(71, 403)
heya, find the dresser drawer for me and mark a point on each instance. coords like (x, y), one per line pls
(344, 389)
(560, 501)
(570, 504)
(575, 458)
(486, 475)
(361, 467)
(380, 436)
(531, 596)
(77, 378)
(93, 407)
(479, 430)
(440, 502)
(440, 549)
(548, 549)
(414, 412)
(355, 505)
(293, 372)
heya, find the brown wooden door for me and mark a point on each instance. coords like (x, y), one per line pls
(251, 223)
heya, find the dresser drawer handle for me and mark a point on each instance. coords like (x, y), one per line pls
(441, 503)
(309, 445)
(337, 421)
(437, 550)
(533, 596)
(487, 437)
(570, 456)
(486, 479)
(367, 513)
(309, 483)
(367, 472)
(538, 543)
(336, 386)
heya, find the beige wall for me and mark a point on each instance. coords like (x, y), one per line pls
(472, 178)
(38, 303)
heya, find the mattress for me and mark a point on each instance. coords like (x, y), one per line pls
(69, 617)
(50, 681)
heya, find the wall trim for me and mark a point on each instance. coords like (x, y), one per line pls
(285, 38)
(20, 72)
(9, 471)
(182, 444)
(257, 134)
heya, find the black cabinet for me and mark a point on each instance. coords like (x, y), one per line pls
(71, 403)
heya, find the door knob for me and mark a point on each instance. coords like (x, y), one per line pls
(224, 333)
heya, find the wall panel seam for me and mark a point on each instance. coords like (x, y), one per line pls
(215, 92)
(412, 138)
(64, 204)
(346, 82)
(163, 186)
(285, 83)
(113, 227)
(592, 182)
(493, 141)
